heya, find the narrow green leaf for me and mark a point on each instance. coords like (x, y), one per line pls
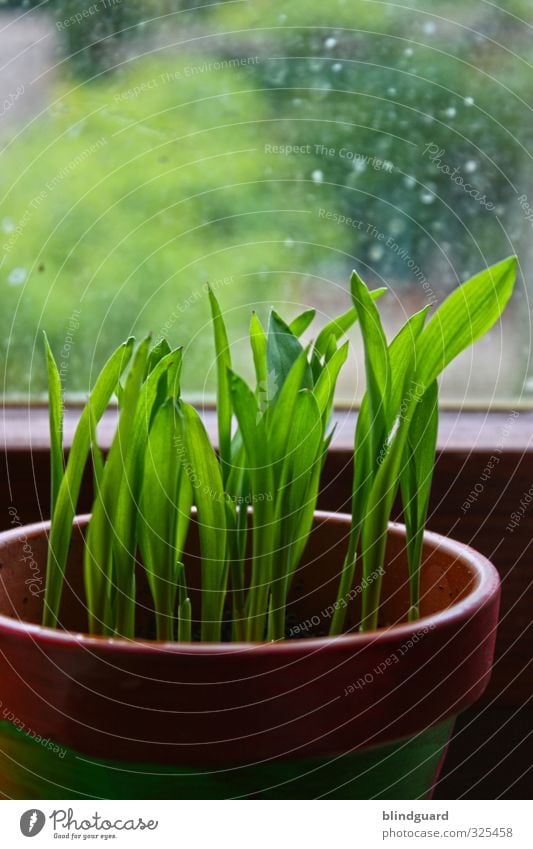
(466, 315)
(202, 466)
(324, 390)
(99, 573)
(300, 324)
(326, 341)
(96, 455)
(55, 413)
(366, 461)
(185, 501)
(305, 518)
(61, 529)
(283, 349)
(415, 481)
(377, 366)
(161, 349)
(340, 325)
(185, 621)
(158, 516)
(376, 517)
(257, 448)
(294, 494)
(224, 407)
(162, 373)
(259, 350)
(279, 420)
(403, 357)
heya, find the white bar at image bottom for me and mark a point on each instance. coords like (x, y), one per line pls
(272, 824)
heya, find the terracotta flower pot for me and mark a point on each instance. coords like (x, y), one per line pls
(359, 716)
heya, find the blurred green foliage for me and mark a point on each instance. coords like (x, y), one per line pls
(161, 162)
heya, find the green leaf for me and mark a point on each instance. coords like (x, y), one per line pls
(305, 518)
(98, 572)
(368, 456)
(377, 366)
(201, 464)
(283, 349)
(403, 357)
(252, 427)
(184, 607)
(300, 324)
(224, 407)
(279, 420)
(153, 393)
(158, 518)
(55, 412)
(295, 494)
(324, 390)
(259, 350)
(327, 339)
(466, 315)
(185, 621)
(163, 373)
(96, 455)
(415, 481)
(161, 349)
(61, 529)
(340, 325)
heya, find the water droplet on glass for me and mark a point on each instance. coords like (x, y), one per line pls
(451, 112)
(470, 166)
(282, 19)
(397, 226)
(409, 182)
(288, 243)
(469, 101)
(430, 27)
(376, 252)
(317, 176)
(297, 101)
(277, 75)
(330, 43)
(408, 51)
(427, 198)
(359, 164)
(336, 67)
(8, 225)
(392, 91)
(17, 276)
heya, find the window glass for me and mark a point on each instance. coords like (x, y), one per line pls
(268, 147)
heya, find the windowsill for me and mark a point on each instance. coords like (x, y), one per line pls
(26, 429)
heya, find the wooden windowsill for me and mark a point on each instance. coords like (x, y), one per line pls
(26, 429)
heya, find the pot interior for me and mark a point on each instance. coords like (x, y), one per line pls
(445, 580)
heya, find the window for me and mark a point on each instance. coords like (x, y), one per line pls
(268, 147)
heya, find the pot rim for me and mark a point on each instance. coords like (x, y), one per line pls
(486, 585)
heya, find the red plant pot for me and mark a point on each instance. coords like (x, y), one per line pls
(357, 716)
